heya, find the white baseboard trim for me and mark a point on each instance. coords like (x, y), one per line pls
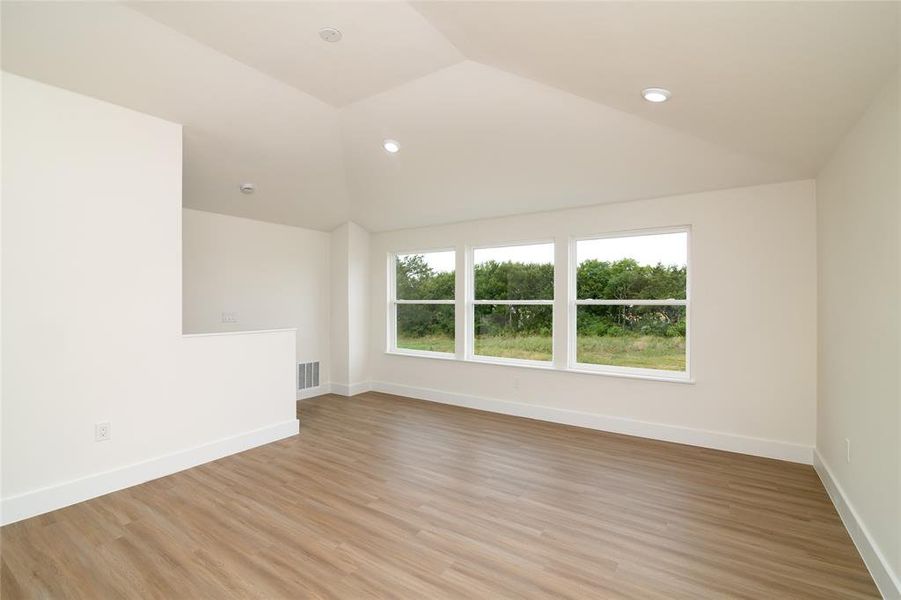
(657, 431)
(342, 389)
(351, 389)
(320, 390)
(30, 504)
(888, 582)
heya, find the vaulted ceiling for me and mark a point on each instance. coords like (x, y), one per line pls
(500, 107)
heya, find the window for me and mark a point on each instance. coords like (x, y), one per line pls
(423, 302)
(627, 305)
(513, 302)
(631, 303)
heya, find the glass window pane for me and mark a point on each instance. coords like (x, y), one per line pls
(514, 272)
(426, 327)
(425, 276)
(522, 331)
(649, 337)
(638, 267)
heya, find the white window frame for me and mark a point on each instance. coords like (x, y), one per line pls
(471, 303)
(394, 302)
(573, 303)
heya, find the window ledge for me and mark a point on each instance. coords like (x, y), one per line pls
(540, 367)
(422, 354)
(627, 375)
(512, 362)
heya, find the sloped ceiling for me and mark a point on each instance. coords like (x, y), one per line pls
(500, 107)
(780, 80)
(385, 43)
(240, 125)
(480, 141)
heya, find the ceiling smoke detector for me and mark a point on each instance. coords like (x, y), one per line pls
(391, 146)
(330, 34)
(247, 188)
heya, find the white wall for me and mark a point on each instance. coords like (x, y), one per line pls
(858, 198)
(92, 312)
(271, 276)
(358, 303)
(338, 325)
(350, 309)
(753, 325)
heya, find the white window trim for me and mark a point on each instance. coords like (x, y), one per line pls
(469, 352)
(394, 302)
(514, 302)
(466, 303)
(573, 303)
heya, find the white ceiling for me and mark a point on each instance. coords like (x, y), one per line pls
(384, 43)
(780, 80)
(500, 107)
(240, 125)
(481, 141)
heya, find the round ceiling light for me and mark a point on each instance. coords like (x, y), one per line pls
(391, 146)
(655, 94)
(330, 34)
(247, 188)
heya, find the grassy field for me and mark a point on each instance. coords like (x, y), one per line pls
(650, 352)
(433, 343)
(646, 351)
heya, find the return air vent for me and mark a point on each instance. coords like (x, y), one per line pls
(307, 375)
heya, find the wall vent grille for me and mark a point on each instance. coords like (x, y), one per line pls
(307, 375)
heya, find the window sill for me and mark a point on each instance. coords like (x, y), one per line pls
(512, 362)
(540, 367)
(675, 378)
(422, 354)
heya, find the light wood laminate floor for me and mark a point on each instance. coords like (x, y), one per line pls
(381, 496)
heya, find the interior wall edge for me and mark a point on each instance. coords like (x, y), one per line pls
(888, 582)
(321, 390)
(40, 501)
(351, 389)
(715, 440)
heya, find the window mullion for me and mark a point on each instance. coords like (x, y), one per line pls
(634, 302)
(460, 303)
(514, 302)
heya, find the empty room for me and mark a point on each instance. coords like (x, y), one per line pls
(450, 300)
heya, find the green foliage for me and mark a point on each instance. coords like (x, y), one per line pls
(625, 351)
(643, 351)
(514, 281)
(623, 279)
(627, 280)
(663, 321)
(504, 320)
(425, 319)
(416, 280)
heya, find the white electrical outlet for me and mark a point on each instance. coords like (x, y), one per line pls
(102, 431)
(229, 317)
(847, 449)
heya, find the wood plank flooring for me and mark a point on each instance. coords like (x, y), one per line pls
(387, 497)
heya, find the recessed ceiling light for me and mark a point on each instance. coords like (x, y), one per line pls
(656, 94)
(330, 34)
(391, 146)
(247, 188)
